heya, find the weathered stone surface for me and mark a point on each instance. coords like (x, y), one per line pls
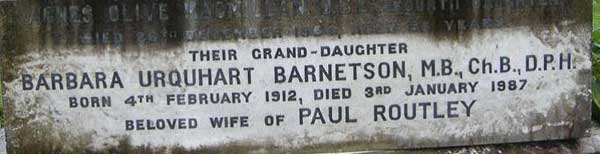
(96, 76)
(586, 145)
(2, 142)
(583, 145)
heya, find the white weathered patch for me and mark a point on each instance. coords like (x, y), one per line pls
(495, 116)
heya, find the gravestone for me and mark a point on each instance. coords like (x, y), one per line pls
(241, 76)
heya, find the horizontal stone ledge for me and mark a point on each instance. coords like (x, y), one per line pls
(584, 145)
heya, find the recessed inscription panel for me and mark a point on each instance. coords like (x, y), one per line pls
(295, 75)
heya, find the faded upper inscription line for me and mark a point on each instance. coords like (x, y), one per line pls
(125, 12)
(170, 22)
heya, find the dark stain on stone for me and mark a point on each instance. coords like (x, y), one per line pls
(584, 77)
(9, 49)
(567, 118)
(581, 114)
(344, 17)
